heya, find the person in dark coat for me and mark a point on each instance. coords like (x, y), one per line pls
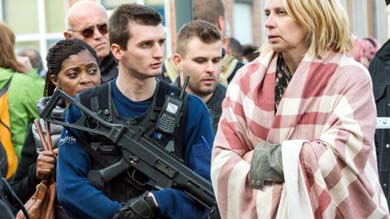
(380, 73)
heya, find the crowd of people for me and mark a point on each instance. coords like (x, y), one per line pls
(285, 126)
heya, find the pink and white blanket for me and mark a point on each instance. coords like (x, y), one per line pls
(325, 123)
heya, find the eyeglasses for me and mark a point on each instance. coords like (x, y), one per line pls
(89, 31)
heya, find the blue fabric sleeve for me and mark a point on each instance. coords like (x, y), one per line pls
(197, 155)
(75, 193)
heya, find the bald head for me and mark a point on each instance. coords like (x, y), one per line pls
(87, 20)
(81, 9)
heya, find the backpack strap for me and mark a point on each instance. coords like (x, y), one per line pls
(8, 160)
(6, 86)
(6, 192)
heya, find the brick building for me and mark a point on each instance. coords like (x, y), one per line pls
(39, 23)
(366, 17)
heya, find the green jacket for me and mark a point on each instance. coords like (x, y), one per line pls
(33, 74)
(23, 95)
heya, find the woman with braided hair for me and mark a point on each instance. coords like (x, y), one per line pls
(72, 66)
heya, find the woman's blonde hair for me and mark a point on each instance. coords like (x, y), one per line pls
(7, 53)
(325, 23)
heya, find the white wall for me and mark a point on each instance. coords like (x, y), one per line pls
(242, 22)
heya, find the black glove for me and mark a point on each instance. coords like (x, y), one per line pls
(140, 207)
(214, 212)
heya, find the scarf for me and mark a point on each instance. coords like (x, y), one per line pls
(325, 123)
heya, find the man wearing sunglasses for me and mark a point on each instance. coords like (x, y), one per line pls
(87, 21)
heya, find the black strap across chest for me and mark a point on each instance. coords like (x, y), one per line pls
(99, 100)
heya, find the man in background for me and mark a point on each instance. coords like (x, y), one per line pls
(235, 49)
(198, 55)
(35, 60)
(250, 53)
(87, 21)
(380, 73)
(212, 11)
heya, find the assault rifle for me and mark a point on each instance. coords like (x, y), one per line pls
(163, 169)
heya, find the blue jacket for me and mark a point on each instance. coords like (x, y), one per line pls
(82, 200)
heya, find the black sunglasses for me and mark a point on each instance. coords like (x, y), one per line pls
(89, 31)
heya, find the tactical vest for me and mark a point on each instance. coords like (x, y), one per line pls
(132, 182)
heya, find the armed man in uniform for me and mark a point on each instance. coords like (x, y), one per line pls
(134, 99)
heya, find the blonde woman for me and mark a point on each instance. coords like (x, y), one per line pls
(296, 136)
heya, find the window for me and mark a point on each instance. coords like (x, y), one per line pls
(112, 4)
(21, 16)
(37, 24)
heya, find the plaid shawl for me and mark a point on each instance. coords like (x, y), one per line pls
(325, 123)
